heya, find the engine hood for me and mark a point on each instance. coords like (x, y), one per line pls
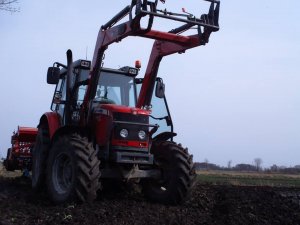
(123, 109)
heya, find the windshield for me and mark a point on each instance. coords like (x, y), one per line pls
(115, 88)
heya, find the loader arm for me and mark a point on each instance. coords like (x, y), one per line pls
(159, 50)
(166, 43)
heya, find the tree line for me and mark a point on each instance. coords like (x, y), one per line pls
(255, 167)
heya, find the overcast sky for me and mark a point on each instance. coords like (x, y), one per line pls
(237, 98)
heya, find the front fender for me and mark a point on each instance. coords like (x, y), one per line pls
(164, 136)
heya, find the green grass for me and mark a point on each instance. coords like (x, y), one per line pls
(248, 178)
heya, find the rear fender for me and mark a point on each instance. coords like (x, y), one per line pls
(52, 121)
(67, 130)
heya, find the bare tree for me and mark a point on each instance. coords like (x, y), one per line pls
(9, 5)
(229, 164)
(258, 162)
(274, 168)
(206, 163)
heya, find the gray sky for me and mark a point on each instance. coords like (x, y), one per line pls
(237, 98)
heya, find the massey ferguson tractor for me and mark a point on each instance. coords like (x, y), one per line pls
(107, 125)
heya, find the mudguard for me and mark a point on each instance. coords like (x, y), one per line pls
(164, 136)
(52, 120)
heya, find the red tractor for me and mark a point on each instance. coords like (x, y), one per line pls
(108, 125)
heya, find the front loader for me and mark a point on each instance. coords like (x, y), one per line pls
(108, 125)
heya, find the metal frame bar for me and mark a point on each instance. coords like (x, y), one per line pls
(191, 21)
(132, 123)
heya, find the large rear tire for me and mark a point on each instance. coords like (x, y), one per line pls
(39, 157)
(73, 171)
(178, 174)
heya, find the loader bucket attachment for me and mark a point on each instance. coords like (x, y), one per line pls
(116, 18)
(210, 20)
(144, 8)
(213, 15)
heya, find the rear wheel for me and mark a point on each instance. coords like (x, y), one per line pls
(39, 156)
(178, 174)
(73, 170)
(8, 162)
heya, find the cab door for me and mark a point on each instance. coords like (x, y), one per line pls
(59, 97)
(160, 111)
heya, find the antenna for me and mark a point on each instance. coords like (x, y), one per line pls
(86, 52)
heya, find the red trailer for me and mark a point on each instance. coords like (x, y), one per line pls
(19, 155)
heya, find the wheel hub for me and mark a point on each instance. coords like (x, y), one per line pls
(62, 173)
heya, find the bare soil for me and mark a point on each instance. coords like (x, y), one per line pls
(208, 204)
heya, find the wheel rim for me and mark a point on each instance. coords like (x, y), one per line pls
(62, 173)
(162, 184)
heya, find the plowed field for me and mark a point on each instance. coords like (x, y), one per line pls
(208, 204)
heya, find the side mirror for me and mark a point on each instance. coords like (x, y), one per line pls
(160, 88)
(53, 75)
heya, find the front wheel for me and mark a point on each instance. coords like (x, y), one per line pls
(8, 162)
(178, 174)
(73, 170)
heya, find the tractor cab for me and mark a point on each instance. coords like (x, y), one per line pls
(78, 80)
(115, 86)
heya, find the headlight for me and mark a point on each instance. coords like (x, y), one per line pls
(142, 134)
(124, 133)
